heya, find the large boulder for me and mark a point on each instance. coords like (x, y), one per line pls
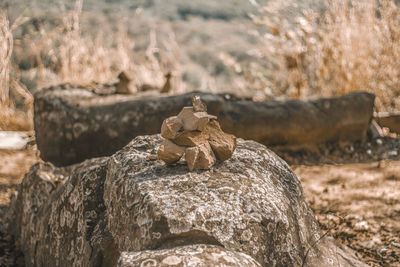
(59, 216)
(74, 124)
(120, 209)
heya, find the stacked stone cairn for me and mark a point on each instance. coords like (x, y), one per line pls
(197, 135)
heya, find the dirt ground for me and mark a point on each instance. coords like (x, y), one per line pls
(358, 203)
(13, 165)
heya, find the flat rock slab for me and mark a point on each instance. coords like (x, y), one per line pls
(75, 124)
(389, 120)
(117, 210)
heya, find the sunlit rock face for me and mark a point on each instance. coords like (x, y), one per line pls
(196, 134)
(252, 203)
(116, 210)
(59, 216)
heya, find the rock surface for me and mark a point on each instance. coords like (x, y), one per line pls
(74, 124)
(59, 216)
(170, 152)
(170, 127)
(391, 121)
(194, 121)
(194, 255)
(200, 157)
(94, 213)
(221, 143)
(199, 134)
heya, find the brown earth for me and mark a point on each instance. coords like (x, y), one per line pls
(357, 203)
(13, 165)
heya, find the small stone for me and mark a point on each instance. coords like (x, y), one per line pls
(171, 127)
(223, 144)
(167, 85)
(193, 138)
(125, 84)
(192, 120)
(374, 130)
(170, 152)
(198, 105)
(200, 157)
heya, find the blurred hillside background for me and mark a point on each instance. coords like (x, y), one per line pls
(258, 49)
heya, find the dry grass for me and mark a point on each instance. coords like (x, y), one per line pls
(10, 117)
(97, 57)
(66, 54)
(344, 46)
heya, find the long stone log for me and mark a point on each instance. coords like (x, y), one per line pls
(72, 125)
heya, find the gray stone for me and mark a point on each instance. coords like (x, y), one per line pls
(192, 255)
(252, 203)
(198, 105)
(131, 205)
(59, 216)
(72, 125)
(296, 123)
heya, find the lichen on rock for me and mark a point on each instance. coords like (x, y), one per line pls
(192, 255)
(254, 204)
(129, 209)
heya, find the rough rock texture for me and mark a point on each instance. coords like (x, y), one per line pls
(221, 143)
(170, 152)
(194, 121)
(194, 255)
(252, 203)
(170, 127)
(74, 124)
(198, 105)
(191, 138)
(391, 121)
(59, 216)
(199, 134)
(200, 157)
(93, 213)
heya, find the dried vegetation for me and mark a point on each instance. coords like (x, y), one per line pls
(66, 54)
(332, 49)
(12, 118)
(308, 50)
